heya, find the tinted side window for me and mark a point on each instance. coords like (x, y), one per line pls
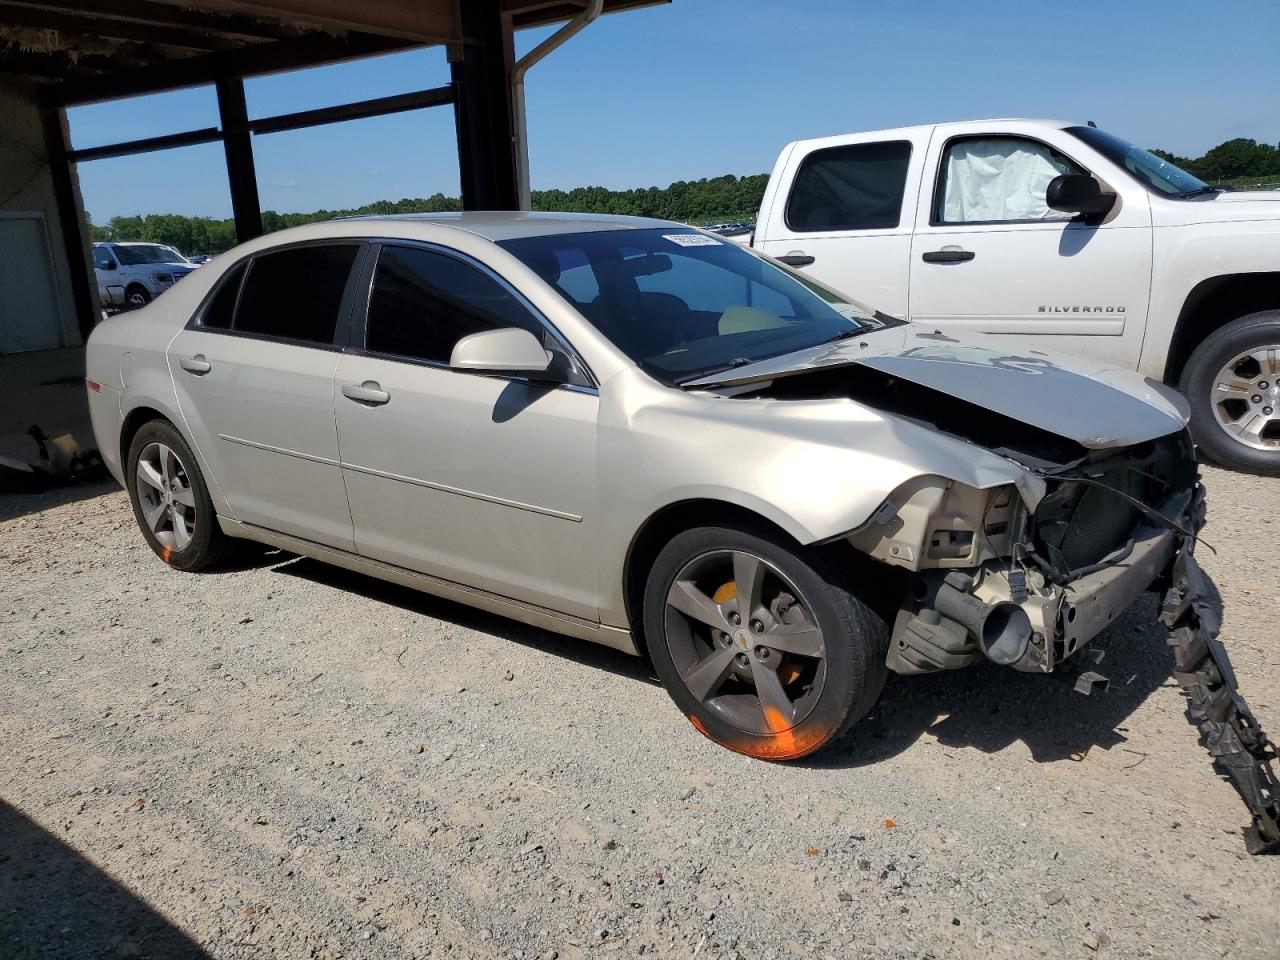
(854, 187)
(424, 302)
(102, 259)
(296, 294)
(217, 314)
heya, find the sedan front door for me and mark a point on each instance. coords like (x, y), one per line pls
(480, 480)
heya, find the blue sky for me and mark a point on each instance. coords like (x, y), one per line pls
(700, 88)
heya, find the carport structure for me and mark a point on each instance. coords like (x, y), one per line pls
(56, 54)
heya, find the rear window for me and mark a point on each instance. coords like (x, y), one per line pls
(296, 294)
(858, 186)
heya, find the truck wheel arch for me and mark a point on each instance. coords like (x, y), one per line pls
(1213, 303)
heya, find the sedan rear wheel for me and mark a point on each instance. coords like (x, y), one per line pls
(170, 499)
(765, 654)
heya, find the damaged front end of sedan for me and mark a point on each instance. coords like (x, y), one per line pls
(1027, 574)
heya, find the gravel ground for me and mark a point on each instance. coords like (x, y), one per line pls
(289, 760)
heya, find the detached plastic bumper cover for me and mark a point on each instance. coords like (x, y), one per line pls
(1228, 729)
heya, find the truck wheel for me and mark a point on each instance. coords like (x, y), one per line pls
(136, 296)
(1232, 382)
(762, 647)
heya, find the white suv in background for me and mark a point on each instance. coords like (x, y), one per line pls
(131, 275)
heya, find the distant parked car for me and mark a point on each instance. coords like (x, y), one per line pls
(199, 258)
(734, 229)
(131, 275)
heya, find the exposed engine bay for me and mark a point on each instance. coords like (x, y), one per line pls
(987, 577)
(991, 577)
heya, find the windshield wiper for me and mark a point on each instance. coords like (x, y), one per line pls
(845, 335)
(1201, 191)
(710, 371)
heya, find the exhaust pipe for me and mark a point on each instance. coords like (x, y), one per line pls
(1002, 630)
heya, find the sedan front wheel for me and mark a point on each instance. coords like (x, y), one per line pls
(761, 646)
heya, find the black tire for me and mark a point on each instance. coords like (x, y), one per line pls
(208, 545)
(1199, 377)
(136, 296)
(854, 637)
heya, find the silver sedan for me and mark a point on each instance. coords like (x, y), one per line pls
(640, 434)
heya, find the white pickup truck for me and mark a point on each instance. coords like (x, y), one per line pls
(131, 275)
(1036, 228)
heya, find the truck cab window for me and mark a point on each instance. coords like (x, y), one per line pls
(990, 179)
(858, 186)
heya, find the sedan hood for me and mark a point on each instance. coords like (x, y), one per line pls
(1092, 403)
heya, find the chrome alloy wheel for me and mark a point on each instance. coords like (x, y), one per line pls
(165, 495)
(1246, 398)
(744, 642)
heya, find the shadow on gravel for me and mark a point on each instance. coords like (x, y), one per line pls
(983, 707)
(579, 651)
(24, 493)
(55, 903)
(988, 708)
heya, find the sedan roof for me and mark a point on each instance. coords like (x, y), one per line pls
(502, 225)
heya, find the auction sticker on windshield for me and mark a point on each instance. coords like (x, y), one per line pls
(691, 239)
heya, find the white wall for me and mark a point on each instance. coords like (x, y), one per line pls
(27, 187)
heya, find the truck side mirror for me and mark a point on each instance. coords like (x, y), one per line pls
(1079, 193)
(107, 265)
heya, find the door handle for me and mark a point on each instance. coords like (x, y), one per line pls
(948, 255)
(197, 365)
(370, 393)
(797, 259)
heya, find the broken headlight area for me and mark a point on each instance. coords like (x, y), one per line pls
(990, 579)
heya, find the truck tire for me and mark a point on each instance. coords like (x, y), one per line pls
(136, 297)
(1232, 382)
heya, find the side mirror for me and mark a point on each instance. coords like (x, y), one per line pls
(1078, 193)
(508, 351)
(108, 265)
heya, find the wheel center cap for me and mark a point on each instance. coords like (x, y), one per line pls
(743, 640)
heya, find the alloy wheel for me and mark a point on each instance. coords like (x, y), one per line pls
(1246, 398)
(744, 641)
(164, 493)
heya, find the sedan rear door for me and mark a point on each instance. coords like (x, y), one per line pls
(254, 377)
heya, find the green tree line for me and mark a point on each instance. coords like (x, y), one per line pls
(697, 201)
(685, 201)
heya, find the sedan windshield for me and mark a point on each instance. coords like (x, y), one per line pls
(683, 304)
(1144, 166)
(147, 253)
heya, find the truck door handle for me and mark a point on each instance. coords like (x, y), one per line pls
(197, 365)
(370, 393)
(796, 259)
(951, 255)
